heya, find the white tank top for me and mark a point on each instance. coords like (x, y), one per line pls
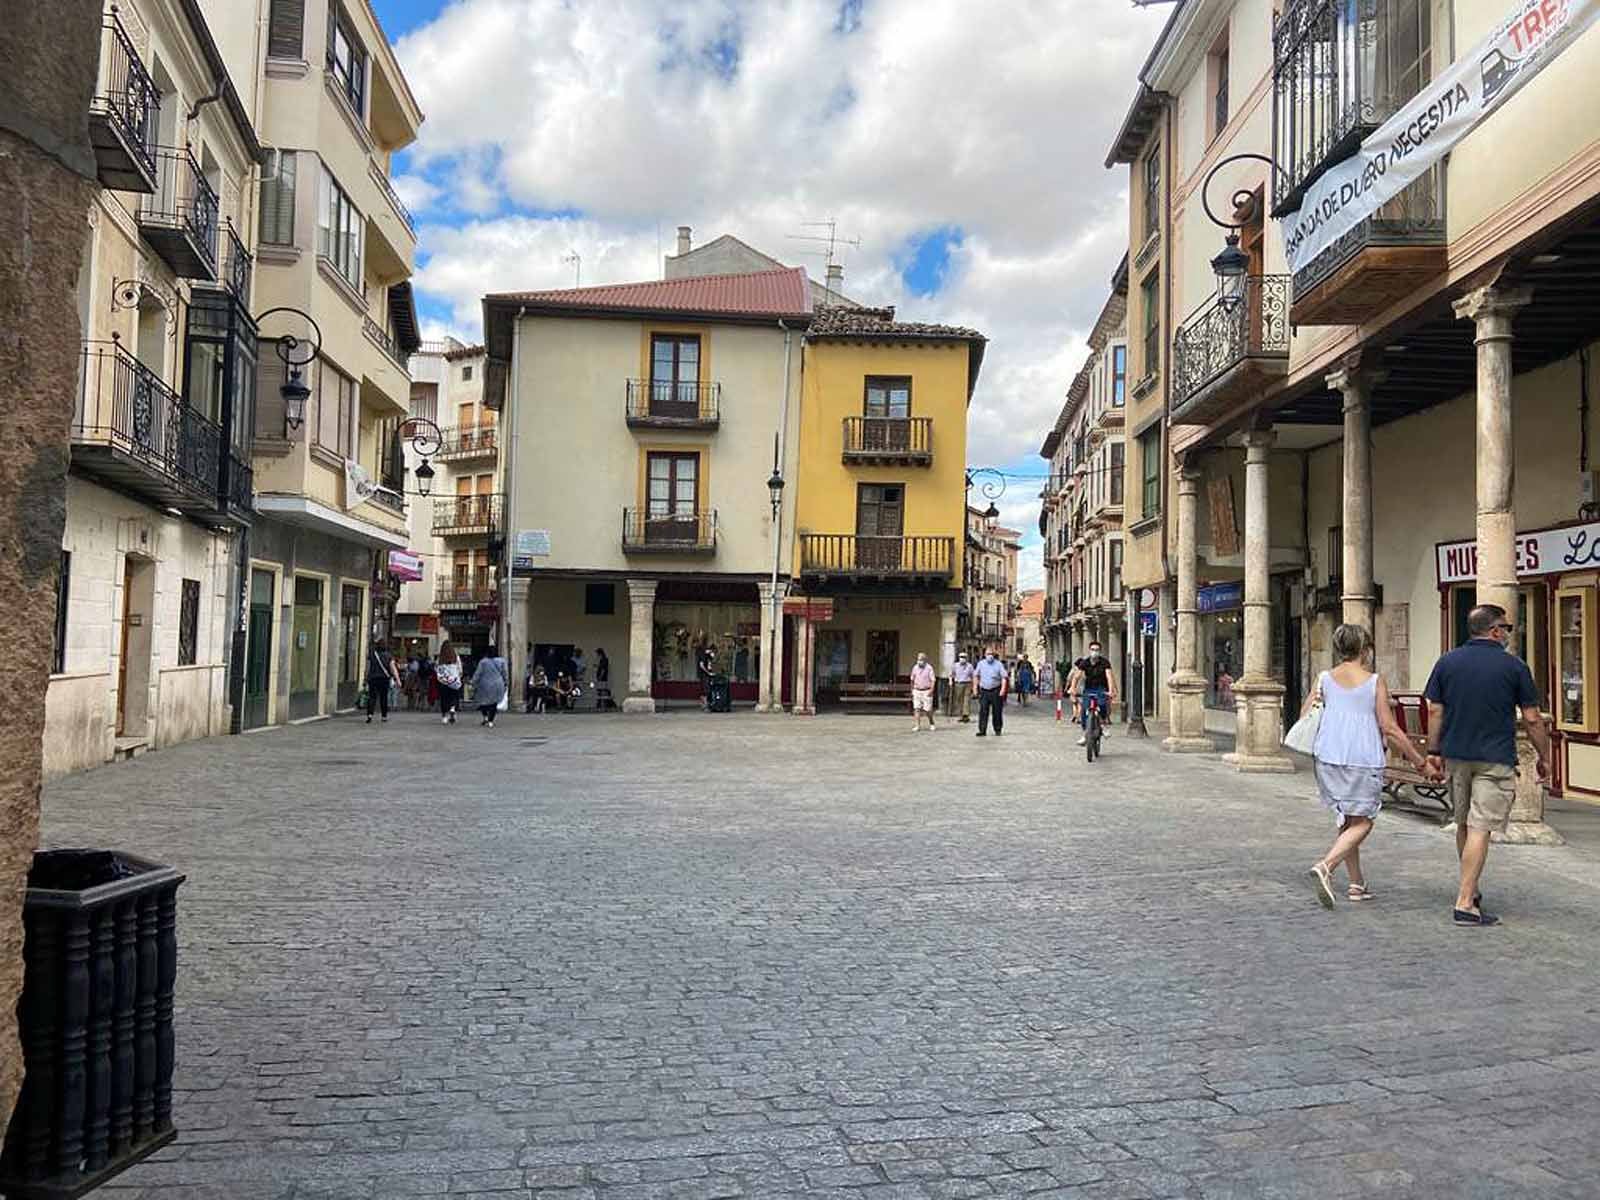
(1348, 735)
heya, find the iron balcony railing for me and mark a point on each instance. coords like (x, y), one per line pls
(180, 218)
(466, 514)
(468, 441)
(126, 103)
(389, 496)
(861, 554)
(382, 339)
(463, 595)
(896, 438)
(387, 189)
(652, 531)
(241, 484)
(237, 264)
(1217, 337)
(199, 450)
(666, 402)
(1414, 217)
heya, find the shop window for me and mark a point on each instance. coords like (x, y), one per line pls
(189, 623)
(1575, 662)
(58, 648)
(599, 599)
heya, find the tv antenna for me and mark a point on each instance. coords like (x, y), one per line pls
(832, 240)
(576, 261)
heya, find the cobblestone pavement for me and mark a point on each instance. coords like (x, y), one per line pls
(697, 956)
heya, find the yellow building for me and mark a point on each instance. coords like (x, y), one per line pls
(880, 503)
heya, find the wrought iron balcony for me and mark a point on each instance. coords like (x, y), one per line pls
(133, 431)
(1223, 353)
(237, 264)
(1379, 262)
(380, 337)
(180, 219)
(464, 595)
(663, 404)
(847, 559)
(460, 442)
(455, 516)
(647, 532)
(905, 441)
(122, 114)
(241, 485)
(387, 188)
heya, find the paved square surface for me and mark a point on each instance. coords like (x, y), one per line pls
(704, 956)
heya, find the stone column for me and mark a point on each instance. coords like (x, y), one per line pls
(769, 687)
(1186, 687)
(519, 626)
(805, 646)
(641, 645)
(949, 616)
(1359, 599)
(1258, 697)
(1492, 310)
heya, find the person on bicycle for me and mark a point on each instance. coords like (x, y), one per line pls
(1093, 680)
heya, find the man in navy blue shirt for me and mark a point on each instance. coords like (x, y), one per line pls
(1474, 695)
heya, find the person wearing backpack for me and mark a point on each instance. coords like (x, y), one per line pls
(491, 683)
(381, 673)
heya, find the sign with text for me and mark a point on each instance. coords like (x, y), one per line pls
(1543, 552)
(405, 565)
(1220, 597)
(529, 545)
(811, 609)
(1448, 108)
(1147, 622)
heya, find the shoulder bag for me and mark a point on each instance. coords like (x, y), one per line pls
(1302, 735)
(505, 696)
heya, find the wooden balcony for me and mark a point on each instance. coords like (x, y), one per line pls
(646, 532)
(466, 516)
(846, 561)
(1225, 354)
(888, 441)
(662, 404)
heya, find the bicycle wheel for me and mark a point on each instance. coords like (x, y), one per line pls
(1091, 741)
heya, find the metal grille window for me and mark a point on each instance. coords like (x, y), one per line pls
(189, 623)
(1150, 471)
(339, 226)
(58, 648)
(277, 202)
(286, 23)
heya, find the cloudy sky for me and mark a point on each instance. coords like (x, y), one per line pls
(962, 144)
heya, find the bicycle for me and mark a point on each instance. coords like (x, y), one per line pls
(1092, 731)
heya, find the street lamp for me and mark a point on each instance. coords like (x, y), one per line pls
(296, 353)
(1232, 263)
(295, 394)
(426, 440)
(424, 478)
(775, 490)
(771, 667)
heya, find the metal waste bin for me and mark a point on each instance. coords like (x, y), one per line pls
(100, 957)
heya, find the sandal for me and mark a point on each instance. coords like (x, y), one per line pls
(1324, 885)
(1358, 893)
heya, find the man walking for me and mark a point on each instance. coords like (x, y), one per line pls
(1473, 696)
(922, 682)
(989, 685)
(961, 689)
(1093, 680)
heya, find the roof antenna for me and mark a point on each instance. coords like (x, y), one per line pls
(833, 241)
(576, 260)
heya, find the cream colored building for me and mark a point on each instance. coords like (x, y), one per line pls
(989, 611)
(159, 490)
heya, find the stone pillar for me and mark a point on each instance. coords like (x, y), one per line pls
(641, 645)
(1358, 596)
(519, 627)
(1186, 687)
(769, 687)
(805, 648)
(1492, 309)
(47, 175)
(1258, 697)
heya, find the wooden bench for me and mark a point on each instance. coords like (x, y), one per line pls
(1399, 776)
(858, 692)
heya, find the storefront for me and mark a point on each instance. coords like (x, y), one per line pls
(1221, 608)
(692, 615)
(1558, 573)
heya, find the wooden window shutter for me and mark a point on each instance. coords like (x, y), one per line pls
(286, 29)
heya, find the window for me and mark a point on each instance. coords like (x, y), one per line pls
(1335, 555)
(1116, 570)
(58, 648)
(599, 599)
(1150, 299)
(673, 485)
(1118, 451)
(189, 623)
(887, 397)
(1119, 376)
(1152, 192)
(286, 21)
(336, 402)
(220, 370)
(425, 401)
(1218, 71)
(1150, 471)
(339, 229)
(466, 372)
(277, 200)
(347, 59)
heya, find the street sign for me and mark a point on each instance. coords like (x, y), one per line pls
(1147, 622)
(529, 545)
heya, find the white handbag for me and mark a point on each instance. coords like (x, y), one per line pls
(1302, 735)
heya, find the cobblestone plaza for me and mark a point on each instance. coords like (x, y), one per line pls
(696, 956)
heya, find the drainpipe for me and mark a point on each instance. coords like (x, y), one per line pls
(510, 462)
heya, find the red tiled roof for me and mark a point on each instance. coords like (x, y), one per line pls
(838, 321)
(782, 293)
(1031, 604)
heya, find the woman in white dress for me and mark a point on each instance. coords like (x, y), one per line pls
(1357, 718)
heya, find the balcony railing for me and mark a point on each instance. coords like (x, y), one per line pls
(906, 440)
(850, 554)
(663, 403)
(652, 532)
(390, 496)
(1217, 338)
(122, 115)
(241, 485)
(237, 264)
(466, 514)
(180, 219)
(463, 595)
(387, 189)
(468, 441)
(384, 341)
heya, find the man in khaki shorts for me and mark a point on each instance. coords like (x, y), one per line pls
(1474, 695)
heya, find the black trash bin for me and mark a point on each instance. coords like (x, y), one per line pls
(719, 695)
(100, 956)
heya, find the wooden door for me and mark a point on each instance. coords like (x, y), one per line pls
(122, 657)
(880, 516)
(673, 498)
(675, 376)
(258, 650)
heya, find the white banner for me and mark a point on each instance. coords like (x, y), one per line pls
(1543, 552)
(1403, 148)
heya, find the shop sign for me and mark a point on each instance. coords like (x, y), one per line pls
(1543, 552)
(428, 623)
(804, 606)
(1220, 597)
(488, 614)
(405, 565)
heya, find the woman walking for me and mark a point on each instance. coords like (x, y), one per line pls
(490, 683)
(1357, 717)
(381, 673)
(447, 674)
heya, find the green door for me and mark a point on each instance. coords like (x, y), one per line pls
(258, 651)
(305, 650)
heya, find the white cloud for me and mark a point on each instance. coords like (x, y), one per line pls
(932, 113)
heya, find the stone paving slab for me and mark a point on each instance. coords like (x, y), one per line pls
(622, 958)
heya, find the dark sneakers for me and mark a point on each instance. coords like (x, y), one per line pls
(1465, 916)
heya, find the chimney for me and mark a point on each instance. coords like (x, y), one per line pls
(835, 278)
(683, 239)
